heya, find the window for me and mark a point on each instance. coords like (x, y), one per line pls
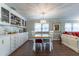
(45, 27)
(75, 27)
(68, 27)
(38, 27)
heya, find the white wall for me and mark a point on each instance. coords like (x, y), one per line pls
(30, 26)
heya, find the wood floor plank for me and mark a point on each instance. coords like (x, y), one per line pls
(58, 50)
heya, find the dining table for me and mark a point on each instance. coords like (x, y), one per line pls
(42, 37)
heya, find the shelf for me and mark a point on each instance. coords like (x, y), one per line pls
(15, 20)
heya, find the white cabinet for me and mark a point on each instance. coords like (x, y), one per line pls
(4, 45)
(13, 44)
(21, 38)
(17, 40)
(71, 41)
(9, 43)
(25, 36)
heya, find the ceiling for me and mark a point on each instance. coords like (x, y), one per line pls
(46, 10)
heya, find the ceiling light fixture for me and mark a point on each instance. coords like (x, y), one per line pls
(43, 20)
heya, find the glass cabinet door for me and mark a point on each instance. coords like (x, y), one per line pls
(4, 15)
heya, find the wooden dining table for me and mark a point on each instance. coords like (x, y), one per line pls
(42, 37)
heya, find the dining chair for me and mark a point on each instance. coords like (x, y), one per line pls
(37, 42)
(45, 42)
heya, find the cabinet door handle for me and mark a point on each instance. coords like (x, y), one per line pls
(2, 41)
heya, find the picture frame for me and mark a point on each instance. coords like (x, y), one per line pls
(56, 27)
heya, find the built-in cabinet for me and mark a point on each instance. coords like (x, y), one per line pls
(9, 43)
(4, 45)
(13, 30)
(17, 40)
(71, 42)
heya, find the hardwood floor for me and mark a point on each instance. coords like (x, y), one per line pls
(58, 50)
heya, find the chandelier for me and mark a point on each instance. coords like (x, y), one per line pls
(43, 20)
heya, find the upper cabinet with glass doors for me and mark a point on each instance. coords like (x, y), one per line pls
(12, 18)
(15, 20)
(4, 15)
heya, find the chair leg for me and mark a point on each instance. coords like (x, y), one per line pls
(44, 46)
(41, 46)
(51, 47)
(34, 47)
